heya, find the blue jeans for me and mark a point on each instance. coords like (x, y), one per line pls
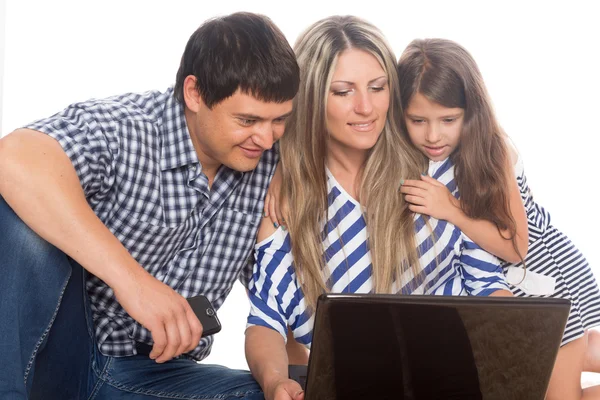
(47, 343)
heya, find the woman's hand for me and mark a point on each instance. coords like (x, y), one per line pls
(286, 389)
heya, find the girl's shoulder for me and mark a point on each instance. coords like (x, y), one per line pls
(516, 161)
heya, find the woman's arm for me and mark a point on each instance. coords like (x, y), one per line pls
(266, 350)
(268, 362)
(297, 353)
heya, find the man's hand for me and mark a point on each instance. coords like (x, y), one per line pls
(165, 313)
(38, 180)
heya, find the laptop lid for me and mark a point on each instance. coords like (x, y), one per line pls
(433, 347)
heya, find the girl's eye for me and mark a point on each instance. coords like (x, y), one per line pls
(377, 88)
(449, 120)
(417, 121)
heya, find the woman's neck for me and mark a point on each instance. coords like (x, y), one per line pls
(346, 165)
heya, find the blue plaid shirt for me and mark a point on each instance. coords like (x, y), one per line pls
(141, 176)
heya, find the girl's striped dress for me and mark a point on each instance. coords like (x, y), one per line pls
(554, 266)
(277, 301)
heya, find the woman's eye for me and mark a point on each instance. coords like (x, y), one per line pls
(341, 93)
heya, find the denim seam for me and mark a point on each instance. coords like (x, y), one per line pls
(171, 395)
(100, 375)
(43, 337)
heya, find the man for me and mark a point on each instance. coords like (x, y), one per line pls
(158, 197)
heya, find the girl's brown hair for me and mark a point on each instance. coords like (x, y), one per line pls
(444, 72)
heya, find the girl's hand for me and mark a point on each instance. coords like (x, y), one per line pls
(430, 197)
(273, 208)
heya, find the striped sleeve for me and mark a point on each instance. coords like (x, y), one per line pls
(273, 287)
(481, 270)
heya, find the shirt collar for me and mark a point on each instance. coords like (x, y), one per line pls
(177, 149)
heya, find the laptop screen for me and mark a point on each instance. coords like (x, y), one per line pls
(433, 347)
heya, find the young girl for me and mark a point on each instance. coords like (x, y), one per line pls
(342, 158)
(449, 118)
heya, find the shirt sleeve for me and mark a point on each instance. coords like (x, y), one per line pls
(83, 132)
(273, 285)
(481, 270)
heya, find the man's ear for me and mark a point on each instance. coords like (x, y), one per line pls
(191, 96)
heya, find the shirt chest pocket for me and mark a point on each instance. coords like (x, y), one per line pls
(151, 243)
(231, 237)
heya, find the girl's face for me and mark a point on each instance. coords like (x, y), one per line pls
(358, 101)
(433, 128)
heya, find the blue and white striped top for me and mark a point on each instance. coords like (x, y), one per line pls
(277, 301)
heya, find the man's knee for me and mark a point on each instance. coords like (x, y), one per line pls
(23, 252)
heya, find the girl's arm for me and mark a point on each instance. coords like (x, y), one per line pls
(481, 271)
(430, 197)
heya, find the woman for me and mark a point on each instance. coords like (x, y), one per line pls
(343, 158)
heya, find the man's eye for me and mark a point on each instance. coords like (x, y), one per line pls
(245, 121)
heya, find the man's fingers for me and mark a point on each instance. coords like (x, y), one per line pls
(185, 332)
(173, 341)
(159, 336)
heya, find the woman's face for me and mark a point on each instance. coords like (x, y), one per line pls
(357, 103)
(433, 128)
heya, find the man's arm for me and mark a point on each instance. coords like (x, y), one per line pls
(41, 185)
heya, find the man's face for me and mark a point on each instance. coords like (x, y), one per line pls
(236, 131)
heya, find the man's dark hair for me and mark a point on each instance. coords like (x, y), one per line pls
(241, 50)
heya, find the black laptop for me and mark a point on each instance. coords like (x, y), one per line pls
(433, 347)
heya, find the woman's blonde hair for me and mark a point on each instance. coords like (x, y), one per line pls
(390, 224)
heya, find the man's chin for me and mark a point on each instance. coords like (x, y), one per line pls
(243, 165)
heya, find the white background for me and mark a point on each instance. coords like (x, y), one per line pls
(539, 60)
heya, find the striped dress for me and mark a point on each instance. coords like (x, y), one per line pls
(555, 268)
(277, 301)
